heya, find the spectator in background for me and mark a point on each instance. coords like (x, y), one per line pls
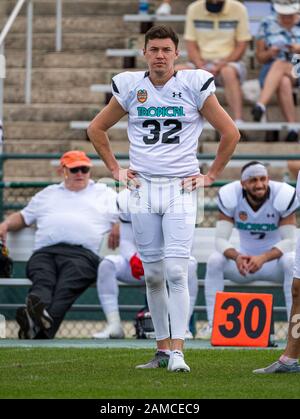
(164, 8)
(278, 40)
(217, 35)
(71, 219)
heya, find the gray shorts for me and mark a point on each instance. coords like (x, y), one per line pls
(239, 66)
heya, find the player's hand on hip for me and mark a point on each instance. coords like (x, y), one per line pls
(126, 176)
(192, 183)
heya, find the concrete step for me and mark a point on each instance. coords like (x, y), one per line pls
(60, 77)
(71, 41)
(57, 146)
(262, 148)
(49, 112)
(80, 7)
(49, 131)
(76, 59)
(94, 7)
(60, 112)
(77, 24)
(77, 95)
(87, 146)
(36, 146)
(82, 24)
(39, 131)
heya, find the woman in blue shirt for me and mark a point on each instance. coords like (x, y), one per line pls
(277, 46)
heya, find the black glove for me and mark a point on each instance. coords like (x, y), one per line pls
(6, 263)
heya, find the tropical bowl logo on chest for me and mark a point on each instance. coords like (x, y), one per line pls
(243, 216)
(142, 95)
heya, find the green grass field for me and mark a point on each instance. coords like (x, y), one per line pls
(110, 373)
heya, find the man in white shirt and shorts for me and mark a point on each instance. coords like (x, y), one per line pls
(166, 111)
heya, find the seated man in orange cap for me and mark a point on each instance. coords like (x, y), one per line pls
(71, 219)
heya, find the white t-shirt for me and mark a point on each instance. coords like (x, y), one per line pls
(164, 124)
(78, 218)
(258, 230)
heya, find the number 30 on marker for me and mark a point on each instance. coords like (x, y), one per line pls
(242, 319)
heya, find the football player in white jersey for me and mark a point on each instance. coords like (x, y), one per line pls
(127, 267)
(165, 112)
(288, 362)
(263, 212)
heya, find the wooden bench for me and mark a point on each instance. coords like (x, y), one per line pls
(21, 244)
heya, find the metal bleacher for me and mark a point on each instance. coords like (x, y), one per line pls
(256, 11)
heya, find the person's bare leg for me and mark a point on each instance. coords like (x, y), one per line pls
(233, 92)
(294, 167)
(293, 346)
(177, 345)
(286, 101)
(163, 345)
(278, 70)
(288, 362)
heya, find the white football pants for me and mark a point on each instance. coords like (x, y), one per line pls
(115, 268)
(220, 267)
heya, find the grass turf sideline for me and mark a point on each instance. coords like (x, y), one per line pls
(110, 373)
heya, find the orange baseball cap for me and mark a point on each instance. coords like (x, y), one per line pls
(75, 158)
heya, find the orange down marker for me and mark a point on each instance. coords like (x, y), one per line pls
(242, 319)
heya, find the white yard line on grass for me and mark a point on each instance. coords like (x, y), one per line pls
(114, 343)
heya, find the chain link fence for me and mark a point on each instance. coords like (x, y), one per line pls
(85, 329)
(85, 324)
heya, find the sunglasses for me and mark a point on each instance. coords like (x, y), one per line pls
(82, 169)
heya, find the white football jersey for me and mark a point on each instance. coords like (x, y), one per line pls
(164, 124)
(258, 230)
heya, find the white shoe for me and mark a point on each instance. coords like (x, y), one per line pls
(177, 363)
(164, 9)
(205, 333)
(110, 332)
(188, 335)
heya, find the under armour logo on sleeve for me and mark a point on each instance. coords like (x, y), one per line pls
(177, 94)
